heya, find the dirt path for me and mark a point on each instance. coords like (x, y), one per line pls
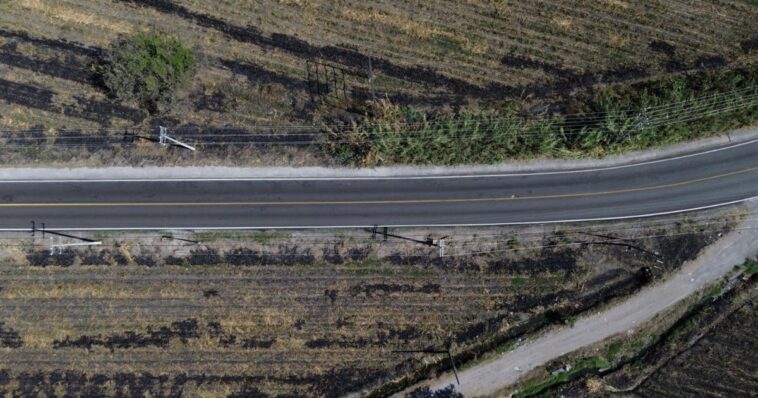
(718, 259)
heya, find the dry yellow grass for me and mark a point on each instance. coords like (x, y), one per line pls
(62, 13)
(96, 290)
(397, 21)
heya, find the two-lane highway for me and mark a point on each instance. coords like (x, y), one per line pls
(706, 179)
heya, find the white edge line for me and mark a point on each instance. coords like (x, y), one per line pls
(417, 177)
(395, 225)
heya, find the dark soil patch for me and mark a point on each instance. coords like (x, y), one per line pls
(676, 249)
(160, 337)
(332, 255)
(426, 392)
(173, 260)
(404, 335)
(9, 338)
(258, 74)
(101, 111)
(54, 44)
(204, 257)
(339, 382)
(27, 95)
(516, 61)
(145, 260)
(370, 289)
(331, 294)
(427, 260)
(358, 253)
(132, 385)
(225, 339)
(663, 47)
(675, 65)
(42, 99)
(248, 392)
(287, 255)
(710, 62)
(749, 44)
(43, 258)
(216, 102)
(70, 70)
(344, 342)
(625, 73)
(256, 343)
(547, 261)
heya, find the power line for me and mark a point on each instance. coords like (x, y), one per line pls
(318, 128)
(556, 129)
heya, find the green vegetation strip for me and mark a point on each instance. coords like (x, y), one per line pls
(592, 363)
(610, 121)
(750, 267)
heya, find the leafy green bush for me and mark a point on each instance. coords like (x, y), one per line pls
(147, 68)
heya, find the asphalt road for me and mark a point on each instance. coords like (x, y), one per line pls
(710, 178)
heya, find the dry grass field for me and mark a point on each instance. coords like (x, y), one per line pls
(298, 314)
(258, 56)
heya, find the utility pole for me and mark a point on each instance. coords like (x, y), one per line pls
(165, 139)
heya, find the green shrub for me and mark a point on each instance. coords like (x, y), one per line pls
(147, 68)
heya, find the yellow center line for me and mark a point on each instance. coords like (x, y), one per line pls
(382, 202)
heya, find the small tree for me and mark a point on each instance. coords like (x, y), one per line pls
(147, 68)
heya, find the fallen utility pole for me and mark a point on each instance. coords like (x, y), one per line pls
(54, 247)
(194, 242)
(165, 139)
(60, 246)
(428, 242)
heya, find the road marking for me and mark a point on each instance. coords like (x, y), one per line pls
(378, 202)
(367, 178)
(495, 224)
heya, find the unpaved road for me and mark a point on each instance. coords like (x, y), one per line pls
(715, 261)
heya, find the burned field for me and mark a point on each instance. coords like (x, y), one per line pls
(708, 350)
(722, 363)
(303, 314)
(293, 62)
